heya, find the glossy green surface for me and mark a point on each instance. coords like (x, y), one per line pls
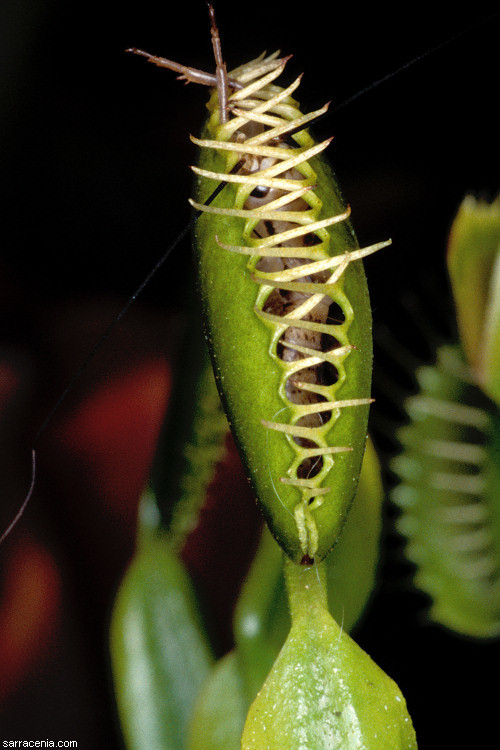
(219, 715)
(323, 691)
(160, 656)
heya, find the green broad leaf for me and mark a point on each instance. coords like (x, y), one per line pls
(473, 266)
(159, 653)
(324, 691)
(220, 711)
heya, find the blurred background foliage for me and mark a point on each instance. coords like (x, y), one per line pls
(94, 151)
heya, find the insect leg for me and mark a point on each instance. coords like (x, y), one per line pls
(187, 73)
(221, 70)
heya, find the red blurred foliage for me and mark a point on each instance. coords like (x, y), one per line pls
(219, 551)
(29, 610)
(105, 448)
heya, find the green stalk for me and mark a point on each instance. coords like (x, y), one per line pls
(306, 588)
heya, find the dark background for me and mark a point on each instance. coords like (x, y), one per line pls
(94, 155)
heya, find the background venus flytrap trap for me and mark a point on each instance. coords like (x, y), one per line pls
(95, 180)
(449, 459)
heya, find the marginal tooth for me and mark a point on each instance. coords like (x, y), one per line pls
(472, 513)
(460, 483)
(469, 453)
(421, 406)
(483, 566)
(472, 541)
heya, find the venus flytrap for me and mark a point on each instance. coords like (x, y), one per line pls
(285, 301)
(286, 309)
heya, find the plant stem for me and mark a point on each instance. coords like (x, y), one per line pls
(306, 588)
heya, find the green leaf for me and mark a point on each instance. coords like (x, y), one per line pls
(160, 656)
(473, 266)
(324, 692)
(220, 711)
(261, 620)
